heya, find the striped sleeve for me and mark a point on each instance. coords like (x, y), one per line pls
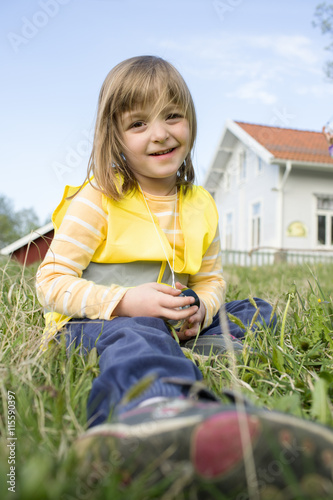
(208, 283)
(60, 286)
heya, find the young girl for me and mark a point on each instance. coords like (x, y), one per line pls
(126, 244)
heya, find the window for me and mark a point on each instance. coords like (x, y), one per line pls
(260, 166)
(242, 166)
(325, 220)
(226, 181)
(256, 225)
(228, 231)
(325, 202)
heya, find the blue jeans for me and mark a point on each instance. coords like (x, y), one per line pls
(133, 348)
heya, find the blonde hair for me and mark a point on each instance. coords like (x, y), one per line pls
(138, 81)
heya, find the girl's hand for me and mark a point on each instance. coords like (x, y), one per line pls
(157, 301)
(193, 323)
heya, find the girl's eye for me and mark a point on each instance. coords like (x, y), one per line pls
(137, 124)
(174, 116)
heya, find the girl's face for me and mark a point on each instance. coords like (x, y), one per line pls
(155, 146)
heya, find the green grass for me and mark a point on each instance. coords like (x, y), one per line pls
(292, 371)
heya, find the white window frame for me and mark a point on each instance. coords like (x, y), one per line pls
(328, 228)
(256, 224)
(259, 166)
(229, 230)
(226, 181)
(243, 161)
(328, 214)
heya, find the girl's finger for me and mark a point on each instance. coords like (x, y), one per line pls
(180, 286)
(177, 303)
(191, 332)
(169, 290)
(178, 314)
(194, 319)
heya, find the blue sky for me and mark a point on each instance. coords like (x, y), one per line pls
(251, 60)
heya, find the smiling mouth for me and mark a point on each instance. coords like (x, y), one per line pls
(162, 152)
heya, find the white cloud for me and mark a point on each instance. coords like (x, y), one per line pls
(251, 56)
(317, 91)
(251, 67)
(288, 46)
(254, 90)
(291, 47)
(296, 47)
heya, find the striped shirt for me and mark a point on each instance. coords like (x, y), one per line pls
(60, 286)
(208, 283)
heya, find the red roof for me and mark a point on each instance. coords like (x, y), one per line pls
(290, 144)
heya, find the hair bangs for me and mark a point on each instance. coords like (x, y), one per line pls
(156, 87)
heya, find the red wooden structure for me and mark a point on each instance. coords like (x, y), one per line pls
(31, 248)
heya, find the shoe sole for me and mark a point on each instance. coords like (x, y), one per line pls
(238, 452)
(213, 345)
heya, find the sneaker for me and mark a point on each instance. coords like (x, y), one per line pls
(214, 345)
(218, 451)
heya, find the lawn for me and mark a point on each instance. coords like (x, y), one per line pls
(43, 394)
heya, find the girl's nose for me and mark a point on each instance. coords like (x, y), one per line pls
(159, 131)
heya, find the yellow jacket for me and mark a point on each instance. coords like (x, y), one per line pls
(131, 254)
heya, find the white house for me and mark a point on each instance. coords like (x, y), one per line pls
(273, 188)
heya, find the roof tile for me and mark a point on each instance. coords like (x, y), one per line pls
(290, 144)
